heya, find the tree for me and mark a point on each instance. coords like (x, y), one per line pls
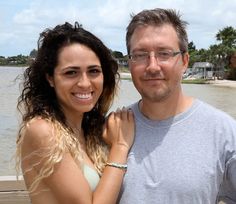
(117, 54)
(3, 60)
(193, 53)
(191, 47)
(33, 53)
(227, 37)
(227, 46)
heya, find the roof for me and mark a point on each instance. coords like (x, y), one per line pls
(202, 64)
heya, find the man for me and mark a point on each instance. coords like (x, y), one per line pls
(184, 149)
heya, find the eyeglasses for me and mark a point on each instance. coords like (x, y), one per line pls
(162, 55)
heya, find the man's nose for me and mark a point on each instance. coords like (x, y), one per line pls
(153, 63)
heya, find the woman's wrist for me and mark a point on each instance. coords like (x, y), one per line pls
(121, 148)
(118, 154)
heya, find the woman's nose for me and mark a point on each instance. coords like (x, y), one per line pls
(83, 80)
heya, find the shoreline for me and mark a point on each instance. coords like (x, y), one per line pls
(125, 75)
(222, 82)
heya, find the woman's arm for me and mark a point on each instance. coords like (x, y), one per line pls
(67, 182)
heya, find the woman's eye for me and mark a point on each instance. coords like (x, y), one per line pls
(94, 71)
(70, 72)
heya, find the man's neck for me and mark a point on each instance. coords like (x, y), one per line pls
(165, 109)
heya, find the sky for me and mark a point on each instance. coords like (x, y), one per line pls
(21, 21)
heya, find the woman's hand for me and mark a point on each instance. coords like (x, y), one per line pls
(119, 134)
(119, 128)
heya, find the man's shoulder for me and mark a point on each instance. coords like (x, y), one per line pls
(209, 111)
(133, 105)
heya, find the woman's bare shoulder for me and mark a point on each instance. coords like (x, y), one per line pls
(38, 133)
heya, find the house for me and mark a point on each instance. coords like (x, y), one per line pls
(123, 62)
(203, 70)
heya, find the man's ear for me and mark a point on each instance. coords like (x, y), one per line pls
(50, 80)
(185, 61)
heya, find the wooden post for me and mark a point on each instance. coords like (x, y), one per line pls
(13, 191)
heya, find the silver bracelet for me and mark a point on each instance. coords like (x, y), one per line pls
(117, 165)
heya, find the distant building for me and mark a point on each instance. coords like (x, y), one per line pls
(203, 70)
(123, 62)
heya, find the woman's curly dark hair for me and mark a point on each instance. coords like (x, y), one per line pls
(38, 98)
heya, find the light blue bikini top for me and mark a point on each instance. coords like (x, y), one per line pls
(91, 176)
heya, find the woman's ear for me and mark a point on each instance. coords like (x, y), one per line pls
(50, 80)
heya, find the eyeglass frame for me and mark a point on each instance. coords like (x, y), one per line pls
(146, 55)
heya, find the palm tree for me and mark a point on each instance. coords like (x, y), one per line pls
(227, 37)
(221, 53)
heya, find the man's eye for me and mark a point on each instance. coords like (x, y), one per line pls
(140, 56)
(164, 54)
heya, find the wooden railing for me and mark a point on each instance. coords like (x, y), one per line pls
(13, 191)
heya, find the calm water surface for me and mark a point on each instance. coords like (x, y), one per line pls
(220, 97)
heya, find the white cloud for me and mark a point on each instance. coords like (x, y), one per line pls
(21, 22)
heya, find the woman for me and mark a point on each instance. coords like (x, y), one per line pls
(67, 91)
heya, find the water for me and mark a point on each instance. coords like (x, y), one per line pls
(220, 97)
(9, 90)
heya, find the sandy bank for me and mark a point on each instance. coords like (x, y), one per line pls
(224, 83)
(125, 75)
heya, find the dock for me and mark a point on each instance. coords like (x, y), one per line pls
(13, 191)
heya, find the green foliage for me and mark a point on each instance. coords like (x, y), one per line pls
(14, 60)
(117, 54)
(217, 54)
(232, 74)
(123, 69)
(33, 53)
(227, 37)
(198, 56)
(195, 81)
(193, 53)
(221, 52)
(191, 47)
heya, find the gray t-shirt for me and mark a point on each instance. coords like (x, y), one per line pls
(186, 159)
